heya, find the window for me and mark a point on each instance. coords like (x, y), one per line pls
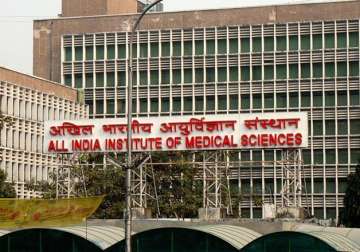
(110, 107)
(176, 76)
(343, 156)
(89, 51)
(256, 71)
(329, 40)
(143, 105)
(99, 79)
(222, 74)
(176, 106)
(354, 97)
(100, 52)
(318, 185)
(188, 75)
(89, 80)
(269, 44)
(210, 47)
(165, 76)
(245, 73)
(121, 51)
(342, 127)
(199, 47)
(318, 157)
(165, 49)
(354, 68)
(210, 103)
(165, 104)
(245, 45)
(305, 70)
(281, 100)
(330, 187)
(257, 101)
(188, 104)
(99, 107)
(176, 48)
(111, 52)
(199, 75)
(294, 100)
(341, 98)
(245, 102)
(317, 128)
(122, 78)
(317, 99)
(234, 45)
(306, 156)
(154, 50)
(305, 99)
(330, 156)
(143, 78)
(353, 39)
(68, 53)
(187, 47)
(341, 69)
(317, 41)
(222, 102)
(269, 100)
(234, 73)
(355, 156)
(355, 127)
(342, 185)
(317, 70)
(341, 40)
(330, 127)
(154, 77)
(281, 43)
(256, 46)
(222, 47)
(281, 72)
(154, 105)
(234, 102)
(329, 70)
(293, 43)
(110, 79)
(293, 71)
(305, 42)
(268, 72)
(210, 75)
(78, 53)
(199, 103)
(329, 99)
(78, 80)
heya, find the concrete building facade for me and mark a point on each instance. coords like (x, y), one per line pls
(263, 59)
(29, 101)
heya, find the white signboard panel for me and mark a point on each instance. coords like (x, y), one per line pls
(179, 133)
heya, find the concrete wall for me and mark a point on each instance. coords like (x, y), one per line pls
(80, 8)
(38, 84)
(48, 33)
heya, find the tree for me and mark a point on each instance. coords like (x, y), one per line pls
(6, 190)
(350, 215)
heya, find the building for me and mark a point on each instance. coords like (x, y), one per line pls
(29, 101)
(302, 57)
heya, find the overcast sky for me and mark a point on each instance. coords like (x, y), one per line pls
(16, 23)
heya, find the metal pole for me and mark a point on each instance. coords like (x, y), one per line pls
(128, 217)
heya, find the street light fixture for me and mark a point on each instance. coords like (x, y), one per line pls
(128, 214)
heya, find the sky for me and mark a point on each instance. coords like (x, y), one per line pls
(16, 18)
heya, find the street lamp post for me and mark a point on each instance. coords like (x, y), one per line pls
(128, 214)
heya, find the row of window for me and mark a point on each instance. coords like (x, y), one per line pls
(318, 212)
(269, 185)
(211, 47)
(221, 74)
(231, 103)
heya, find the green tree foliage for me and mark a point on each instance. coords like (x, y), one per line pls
(350, 216)
(180, 194)
(6, 190)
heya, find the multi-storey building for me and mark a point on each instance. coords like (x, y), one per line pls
(264, 59)
(29, 101)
